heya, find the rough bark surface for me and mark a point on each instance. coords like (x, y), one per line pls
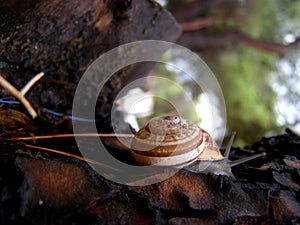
(48, 190)
(61, 38)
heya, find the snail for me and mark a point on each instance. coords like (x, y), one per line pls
(167, 141)
(176, 142)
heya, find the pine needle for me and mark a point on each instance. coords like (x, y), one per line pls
(71, 155)
(71, 135)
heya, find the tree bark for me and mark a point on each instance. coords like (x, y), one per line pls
(63, 37)
(68, 191)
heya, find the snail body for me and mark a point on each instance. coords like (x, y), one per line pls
(176, 142)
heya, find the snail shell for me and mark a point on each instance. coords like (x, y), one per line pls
(172, 141)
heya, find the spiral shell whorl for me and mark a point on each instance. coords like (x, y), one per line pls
(167, 138)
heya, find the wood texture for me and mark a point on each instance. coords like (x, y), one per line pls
(62, 37)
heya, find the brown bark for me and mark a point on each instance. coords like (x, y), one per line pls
(67, 191)
(63, 37)
(51, 189)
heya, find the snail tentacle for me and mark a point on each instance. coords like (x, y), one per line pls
(228, 148)
(221, 167)
(246, 159)
(238, 161)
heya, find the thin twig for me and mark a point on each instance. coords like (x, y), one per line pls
(17, 94)
(70, 135)
(30, 83)
(72, 155)
(200, 23)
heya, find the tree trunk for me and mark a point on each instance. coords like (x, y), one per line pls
(63, 37)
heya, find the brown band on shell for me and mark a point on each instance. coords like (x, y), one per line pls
(165, 151)
(165, 136)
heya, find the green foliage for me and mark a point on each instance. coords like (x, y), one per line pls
(171, 96)
(260, 19)
(271, 19)
(173, 92)
(247, 75)
(244, 77)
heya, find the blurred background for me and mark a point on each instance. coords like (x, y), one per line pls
(253, 48)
